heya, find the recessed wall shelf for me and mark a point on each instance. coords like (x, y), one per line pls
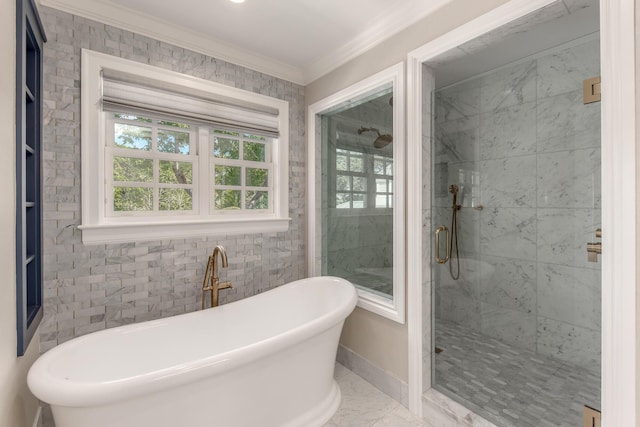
(29, 41)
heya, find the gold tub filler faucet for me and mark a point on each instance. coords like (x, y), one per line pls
(211, 280)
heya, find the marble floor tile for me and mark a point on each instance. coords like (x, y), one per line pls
(363, 405)
(508, 386)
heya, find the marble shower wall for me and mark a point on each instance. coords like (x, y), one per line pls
(357, 244)
(520, 142)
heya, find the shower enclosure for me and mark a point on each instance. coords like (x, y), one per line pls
(357, 224)
(515, 187)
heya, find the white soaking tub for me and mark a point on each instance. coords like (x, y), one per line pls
(263, 361)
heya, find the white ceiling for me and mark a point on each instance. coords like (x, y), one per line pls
(299, 40)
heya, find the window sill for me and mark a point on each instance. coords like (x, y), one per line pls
(122, 232)
(384, 306)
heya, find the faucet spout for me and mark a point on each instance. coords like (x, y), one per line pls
(211, 280)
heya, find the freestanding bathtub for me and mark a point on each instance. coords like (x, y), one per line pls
(263, 361)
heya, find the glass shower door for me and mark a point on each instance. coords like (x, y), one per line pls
(517, 302)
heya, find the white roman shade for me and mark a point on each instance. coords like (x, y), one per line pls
(123, 92)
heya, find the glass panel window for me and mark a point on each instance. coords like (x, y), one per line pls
(134, 137)
(170, 141)
(228, 199)
(369, 177)
(131, 169)
(176, 172)
(244, 163)
(175, 199)
(228, 175)
(257, 177)
(225, 147)
(132, 199)
(152, 163)
(257, 200)
(255, 152)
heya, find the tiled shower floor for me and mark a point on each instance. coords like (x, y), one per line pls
(509, 386)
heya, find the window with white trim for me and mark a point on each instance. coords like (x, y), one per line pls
(150, 165)
(242, 166)
(363, 180)
(166, 155)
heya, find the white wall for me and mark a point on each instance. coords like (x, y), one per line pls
(17, 406)
(381, 341)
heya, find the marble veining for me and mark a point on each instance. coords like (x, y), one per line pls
(509, 283)
(507, 87)
(508, 132)
(508, 183)
(508, 232)
(520, 142)
(569, 179)
(570, 294)
(562, 234)
(565, 70)
(565, 115)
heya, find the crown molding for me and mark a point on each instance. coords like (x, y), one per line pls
(110, 13)
(128, 19)
(400, 19)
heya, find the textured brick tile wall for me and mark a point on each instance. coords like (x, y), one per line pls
(88, 288)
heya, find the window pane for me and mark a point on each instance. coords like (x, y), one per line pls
(132, 199)
(228, 175)
(389, 168)
(381, 185)
(378, 167)
(359, 183)
(343, 183)
(343, 200)
(257, 200)
(341, 163)
(356, 164)
(225, 148)
(254, 151)
(175, 199)
(381, 201)
(257, 177)
(176, 172)
(227, 199)
(130, 169)
(170, 141)
(132, 118)
(359, 201)
(130, 136)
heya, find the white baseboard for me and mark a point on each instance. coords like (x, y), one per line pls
(381, 379)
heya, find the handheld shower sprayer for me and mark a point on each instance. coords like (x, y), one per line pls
(453, 189)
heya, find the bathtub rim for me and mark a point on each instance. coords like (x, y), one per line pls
(57, 391)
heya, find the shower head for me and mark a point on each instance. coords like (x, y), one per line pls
(453, 189)
(381, 141)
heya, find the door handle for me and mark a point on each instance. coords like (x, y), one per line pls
(446, 254)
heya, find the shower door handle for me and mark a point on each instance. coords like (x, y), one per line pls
(446, 254)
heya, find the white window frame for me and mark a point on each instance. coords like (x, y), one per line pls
(244, 165)
(111, 151)
(391, 308)
(98, 227)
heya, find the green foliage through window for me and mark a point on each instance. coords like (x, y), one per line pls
(171, 139)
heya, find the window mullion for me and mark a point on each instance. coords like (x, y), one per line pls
(205, 163)
(156, 168)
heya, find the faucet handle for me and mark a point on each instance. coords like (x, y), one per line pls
(225, 285)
